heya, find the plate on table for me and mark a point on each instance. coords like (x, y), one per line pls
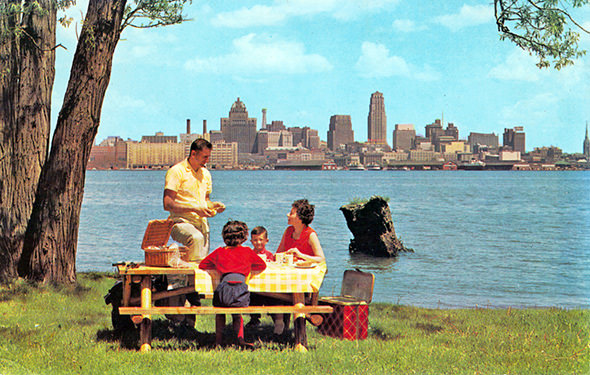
(305, 265)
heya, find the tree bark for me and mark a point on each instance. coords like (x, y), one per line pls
(49, 253)
(27, 72)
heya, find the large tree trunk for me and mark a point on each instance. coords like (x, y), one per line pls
(49, 253)
(27, 72)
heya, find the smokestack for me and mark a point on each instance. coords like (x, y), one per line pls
(263, 118)
(188, 126)
(204, 127)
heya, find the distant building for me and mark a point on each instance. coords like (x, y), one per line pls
(154, 155)
(452, 131)
(587, 144)
(483, 139)
(238, 127)
(110, 154)
(340, 132)
(159, 138)
(276, 126)
(377, 120)
(404, 137)
(514, 139)
(224, 155)
(434, 130)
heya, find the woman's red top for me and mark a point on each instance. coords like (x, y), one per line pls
(302, 243)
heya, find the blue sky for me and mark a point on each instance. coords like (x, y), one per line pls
(306, 60)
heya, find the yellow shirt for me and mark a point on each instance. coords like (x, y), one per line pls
(192, 188)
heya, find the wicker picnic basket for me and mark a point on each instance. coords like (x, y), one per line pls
(154, 244)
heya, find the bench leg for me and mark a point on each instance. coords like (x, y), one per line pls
(145, 330)
(299, 325)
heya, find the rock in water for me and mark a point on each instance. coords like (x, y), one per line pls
(372, 227)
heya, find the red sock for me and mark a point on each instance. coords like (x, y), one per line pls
(238, 323)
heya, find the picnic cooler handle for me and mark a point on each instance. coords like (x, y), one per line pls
(154, 243)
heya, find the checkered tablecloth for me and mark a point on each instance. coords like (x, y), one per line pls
(275, 279)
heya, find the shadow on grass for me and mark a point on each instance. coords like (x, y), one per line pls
(167, 335)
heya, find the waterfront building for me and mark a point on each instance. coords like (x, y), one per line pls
(514, 139)
(489, 140)
(371, 158)
(311, 138)
(377, 120)
(391, 156)
(159, 137)
(340, 132)
(238, 127)
(587, 144)
(404, 137)
(454, 147)
(224, 155)
(422, 155)
(509, 155)
(109, 154)
(154, 155)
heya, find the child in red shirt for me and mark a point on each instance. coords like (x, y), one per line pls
(234, 262)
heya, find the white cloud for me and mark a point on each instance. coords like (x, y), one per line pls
(519, 66)
(277, 13)
(467, 16)
(254, 54)
(375, 61)
(407, 26)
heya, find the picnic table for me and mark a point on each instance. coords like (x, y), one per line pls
(298, 287)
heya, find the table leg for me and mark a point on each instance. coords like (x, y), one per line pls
(299, 324)
(145, 329)
(126, 290)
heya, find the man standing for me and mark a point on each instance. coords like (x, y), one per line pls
(186, 196)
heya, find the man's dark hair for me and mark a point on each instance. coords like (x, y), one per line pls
(199, 144)
(234, 233)
(258, 231)
(305, 211)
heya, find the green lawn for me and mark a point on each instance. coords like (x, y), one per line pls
(46, 330)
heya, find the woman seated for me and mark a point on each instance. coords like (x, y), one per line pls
(299, 238)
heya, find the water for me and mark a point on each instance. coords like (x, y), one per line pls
(481, 238)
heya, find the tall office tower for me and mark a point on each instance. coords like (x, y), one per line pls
(276, 126)
(239, 128)
(188, 126)
(587, 144)
(404, 136)
(515, 139)
(434, 130)
(340, 132)
(377, 120)
(204, 126)
(311, 138)
(263, 118)
(452, 131)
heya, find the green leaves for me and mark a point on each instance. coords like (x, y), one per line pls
(545, 28)
(154, 13)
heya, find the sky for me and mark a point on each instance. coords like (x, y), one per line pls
(306, 60)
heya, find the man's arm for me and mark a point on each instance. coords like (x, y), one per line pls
(171, 205)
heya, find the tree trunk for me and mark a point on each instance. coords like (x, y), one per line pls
(49, 252)
(27, 72)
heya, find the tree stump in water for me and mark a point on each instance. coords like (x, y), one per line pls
(372, 227)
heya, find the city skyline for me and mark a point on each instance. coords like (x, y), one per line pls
(306, 61)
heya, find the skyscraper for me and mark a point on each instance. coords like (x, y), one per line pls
(340, 132)
(404, 136)
(377, 120)
(239, 128)
(587, 144)
(515, 139)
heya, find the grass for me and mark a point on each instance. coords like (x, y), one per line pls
(47, 330)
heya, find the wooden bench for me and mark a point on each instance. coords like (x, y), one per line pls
(300, 312)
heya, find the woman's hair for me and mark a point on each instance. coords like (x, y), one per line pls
(304, 210)
(234, 233)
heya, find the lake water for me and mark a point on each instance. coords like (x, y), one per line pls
(488, 239)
